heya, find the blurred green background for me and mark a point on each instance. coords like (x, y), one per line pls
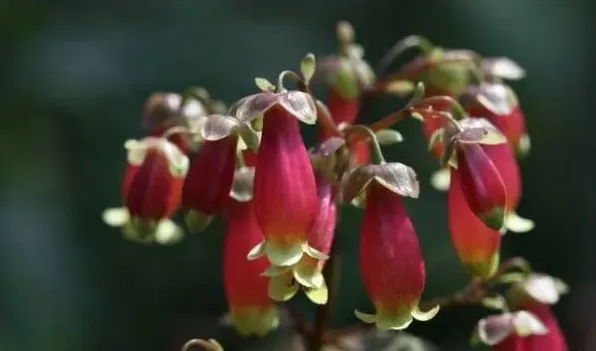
(75, 74)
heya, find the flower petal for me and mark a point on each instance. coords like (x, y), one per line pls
(282, 288)
(317, 295)
(424, 316)
(286, 255)
(168, 232)
(116, 217)
(518, 224)
(257, 251)
(366, 317)
(441, 179)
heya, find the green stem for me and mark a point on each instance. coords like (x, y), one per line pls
(409, 42)
(378, 157)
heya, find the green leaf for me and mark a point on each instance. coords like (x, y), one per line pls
(388, 137)
(308, 66)
(400, 87)
(264, 84)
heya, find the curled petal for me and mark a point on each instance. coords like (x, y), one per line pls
(424, 316)
(518, 224)
(317, 295)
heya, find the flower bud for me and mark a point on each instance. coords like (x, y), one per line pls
(252, 311)
(476, 244)
(391, 262)
(209, 180)
(152, 189)
(481, 184)
(285, 193)
(308, 272)
(445, 70)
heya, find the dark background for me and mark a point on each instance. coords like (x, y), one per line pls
(74, 76)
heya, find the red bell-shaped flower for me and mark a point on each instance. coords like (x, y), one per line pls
(252, 311)
(476, 244)
(285, 193)
(391, 261)
(481, 184)
(151, 190)
(308, 272)
(207, 186)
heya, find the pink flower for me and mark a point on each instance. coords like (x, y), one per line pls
(476, 244)
(152, 189)
(252, 311)
(285, 193)
(391, 261)
(481, 184)
(207, 186)
(308, 272)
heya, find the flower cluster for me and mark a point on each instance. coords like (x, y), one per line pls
(280, 200)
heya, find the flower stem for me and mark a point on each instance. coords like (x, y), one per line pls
(458, 110)
(362, 130)
(323, 315)
(326, 121)
(400, 47)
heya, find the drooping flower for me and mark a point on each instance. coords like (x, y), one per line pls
(498, 103)
(308, 272)
(252, 311)
(391, 262)
(476, 244)
(151, 191)
(481, 184)
(209, 180)
(510, 331)
(536, 294)
(285, 193)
